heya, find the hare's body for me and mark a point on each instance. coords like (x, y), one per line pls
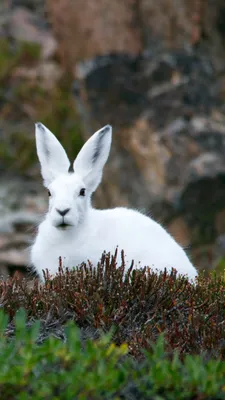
(76, 232)
(143, 240)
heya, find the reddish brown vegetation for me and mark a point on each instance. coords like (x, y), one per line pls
(139, 306)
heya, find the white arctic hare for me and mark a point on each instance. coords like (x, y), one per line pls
(76, 232)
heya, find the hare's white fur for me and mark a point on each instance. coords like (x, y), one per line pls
(84, 233)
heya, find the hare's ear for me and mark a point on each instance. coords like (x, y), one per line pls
(51, 154)
(93, 156)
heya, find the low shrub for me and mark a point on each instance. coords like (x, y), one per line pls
(138, 305)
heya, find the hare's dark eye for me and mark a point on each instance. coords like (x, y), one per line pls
(49, 193)
(82, 192)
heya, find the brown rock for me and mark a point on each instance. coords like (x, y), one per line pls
(176, 22)
(85, 29)
(148, 154)
(180, 231)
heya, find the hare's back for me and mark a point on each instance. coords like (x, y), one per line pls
(128, 223)
(143, 240)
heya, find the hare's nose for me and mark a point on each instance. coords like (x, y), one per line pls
(63, 212)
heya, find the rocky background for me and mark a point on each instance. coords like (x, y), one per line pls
(156, 72)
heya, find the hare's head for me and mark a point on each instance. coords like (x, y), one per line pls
(70, 185)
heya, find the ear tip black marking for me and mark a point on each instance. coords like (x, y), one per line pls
(40, 126)
(106, 129)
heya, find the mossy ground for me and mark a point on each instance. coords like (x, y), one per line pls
(13, 54)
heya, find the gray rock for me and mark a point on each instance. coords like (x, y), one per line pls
(168, 153)
(22, 204)
(23, 25)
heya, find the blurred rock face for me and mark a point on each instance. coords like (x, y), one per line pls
(21, 207)
(168, 153)
(166, 107)
(88, 28)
